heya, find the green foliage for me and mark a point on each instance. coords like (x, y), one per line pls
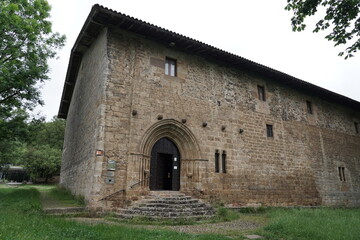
(37, 145)
(13, 133)
(45, 142)
(225, 214)
(321, 223)
(46, 133)
(27, 42)
(343, 16)
(42, 161)
(21, 218)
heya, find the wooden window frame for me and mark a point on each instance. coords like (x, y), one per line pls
(169, 62)
(261, 93)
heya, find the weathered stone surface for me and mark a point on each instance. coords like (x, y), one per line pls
(122, 73)
(168, 204)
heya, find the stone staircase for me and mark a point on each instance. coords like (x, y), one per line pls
(168, 204)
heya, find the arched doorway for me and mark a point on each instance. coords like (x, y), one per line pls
(165, 166)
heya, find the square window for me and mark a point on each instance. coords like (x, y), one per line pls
(356, 127)
(170, 67)
(269, 130)
(261, 92)
(309, 107)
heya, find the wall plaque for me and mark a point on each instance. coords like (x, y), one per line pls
(111, 165)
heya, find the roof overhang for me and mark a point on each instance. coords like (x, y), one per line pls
(101, 16)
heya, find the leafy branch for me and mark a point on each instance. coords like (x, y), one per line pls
(341, 15)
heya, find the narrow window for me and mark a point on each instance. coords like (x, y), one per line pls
(217, 154)
(269, 130)
(342, 174)
(309, 107)
(223, 158)
(356, 127)
(170, 67)
(261, 92)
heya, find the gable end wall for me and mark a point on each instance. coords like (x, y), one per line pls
(81, 169)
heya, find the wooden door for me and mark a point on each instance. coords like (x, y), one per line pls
(165, 166)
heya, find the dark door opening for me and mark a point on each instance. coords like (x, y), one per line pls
(165, 170)
(165, 166)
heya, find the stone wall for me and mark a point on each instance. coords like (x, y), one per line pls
(81, 170)
(298, 166)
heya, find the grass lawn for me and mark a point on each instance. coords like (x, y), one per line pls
(320, 223)
(21, 218)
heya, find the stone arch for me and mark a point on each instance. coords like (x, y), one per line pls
(177, 132)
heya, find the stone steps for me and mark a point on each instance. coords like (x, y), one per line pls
(167, 204)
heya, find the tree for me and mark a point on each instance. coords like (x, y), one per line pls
(26, 43)
(13, 136)
(342, 15)
(42, 161)
(46, 133)
(44, 147)
(36, 144)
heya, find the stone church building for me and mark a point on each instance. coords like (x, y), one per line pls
(148, 109)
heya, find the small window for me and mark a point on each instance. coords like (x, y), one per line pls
(342, 174)
(170, 67)
(269, 130)
(356, 127)
(217, 154)
(223, 158)
(261, 92)
(309, 107)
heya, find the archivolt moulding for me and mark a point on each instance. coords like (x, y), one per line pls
(177, 132)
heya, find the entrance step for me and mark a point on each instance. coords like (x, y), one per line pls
(168, 204)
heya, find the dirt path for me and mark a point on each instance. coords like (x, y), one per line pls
(47, 201)
(234, 228)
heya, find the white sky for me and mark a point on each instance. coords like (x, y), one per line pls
(258, 30)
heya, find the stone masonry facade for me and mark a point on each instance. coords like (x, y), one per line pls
(123, 102)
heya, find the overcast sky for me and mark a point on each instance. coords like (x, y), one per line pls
(258, 30)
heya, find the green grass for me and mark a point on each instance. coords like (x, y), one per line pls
(225, 215)
(65, 197)
(22, 218)
(319, 223)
